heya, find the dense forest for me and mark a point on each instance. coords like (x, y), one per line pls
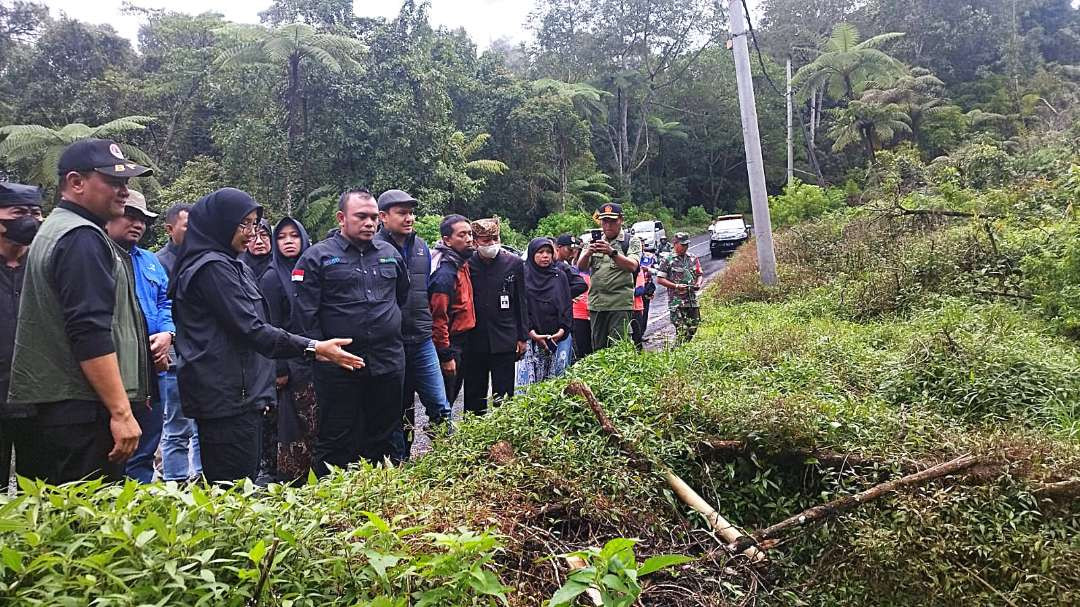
(633, 100)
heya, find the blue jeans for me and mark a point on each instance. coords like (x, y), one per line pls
(423, 377)
(180, 458)
(141, 464)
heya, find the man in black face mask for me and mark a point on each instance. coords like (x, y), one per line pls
(20, 216)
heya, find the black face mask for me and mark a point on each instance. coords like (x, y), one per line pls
(21, 230)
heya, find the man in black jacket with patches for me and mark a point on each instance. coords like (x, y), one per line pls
(353, 284)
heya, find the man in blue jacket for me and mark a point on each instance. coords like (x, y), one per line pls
(151, 289)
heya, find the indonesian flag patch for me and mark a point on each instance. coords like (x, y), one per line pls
(298, 276)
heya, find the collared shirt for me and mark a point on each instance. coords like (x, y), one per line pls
(82, 274)
(344, 289)
(10, 289)
(681, 270)
(612, 287)
(152, 288)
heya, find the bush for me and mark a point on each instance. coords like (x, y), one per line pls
(697, 216)
(427, 226)
(574, 223)
(803, 201)
(1052, 275)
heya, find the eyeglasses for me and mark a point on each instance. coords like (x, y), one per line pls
(248, 226)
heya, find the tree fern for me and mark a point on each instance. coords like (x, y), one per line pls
(41, 146)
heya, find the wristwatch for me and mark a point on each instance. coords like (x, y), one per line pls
(614, 253)
(309, 351)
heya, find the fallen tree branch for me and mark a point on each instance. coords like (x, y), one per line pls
(944, 213)
(728, 532)
(1023, 296)
(832, 509)
(1059, 490)
(723, 448)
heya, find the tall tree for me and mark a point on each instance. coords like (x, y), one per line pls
(634, 50)
(847, 64)
(869, 124)
(292, 49)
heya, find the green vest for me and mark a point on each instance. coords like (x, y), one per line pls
(44, 369)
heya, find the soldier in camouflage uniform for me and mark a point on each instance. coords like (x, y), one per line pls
(681, 273)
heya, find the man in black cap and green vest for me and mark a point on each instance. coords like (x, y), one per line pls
(82, 355)
(20, 217)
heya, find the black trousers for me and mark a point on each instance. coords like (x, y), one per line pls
(637, 328)
(73, 442)
(21, 435)
(230, 447)
(479, 366)
(582, 338)
(358, 415)
(454, 382)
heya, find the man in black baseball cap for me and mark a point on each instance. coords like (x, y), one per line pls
(20, 216)
(423, 377)
(82, 354)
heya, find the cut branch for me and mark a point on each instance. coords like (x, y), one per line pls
(1060, 490)
(832, 509)
(728, 532)
(944, 213)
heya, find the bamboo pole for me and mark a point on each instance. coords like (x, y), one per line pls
(729, 532)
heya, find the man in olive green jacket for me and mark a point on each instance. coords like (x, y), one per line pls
(81, 349)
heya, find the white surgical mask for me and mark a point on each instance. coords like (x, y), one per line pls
(488, 251)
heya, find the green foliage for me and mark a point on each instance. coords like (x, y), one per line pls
(696, 216)
(847, 63)
(41, 146)
(802, 201)
(1052, 274)
(209, 545)
(427, 226)
(574, 223)
(987, 366)
(613, 571)
(200, 176)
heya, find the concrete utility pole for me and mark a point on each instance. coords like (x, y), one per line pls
(755, 167)
(790, 139)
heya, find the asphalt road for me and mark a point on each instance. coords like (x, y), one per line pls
(659, 329)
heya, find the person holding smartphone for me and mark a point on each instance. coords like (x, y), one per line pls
(613, 264)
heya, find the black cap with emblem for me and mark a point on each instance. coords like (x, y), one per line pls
(99, 155)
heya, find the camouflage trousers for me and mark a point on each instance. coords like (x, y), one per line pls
(686, 320)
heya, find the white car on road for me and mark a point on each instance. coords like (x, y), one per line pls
(651, 233)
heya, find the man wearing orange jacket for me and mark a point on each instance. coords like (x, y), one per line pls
(450, 296)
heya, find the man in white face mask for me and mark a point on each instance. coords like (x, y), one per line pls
(498, 341)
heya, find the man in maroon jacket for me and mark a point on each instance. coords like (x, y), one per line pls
(450, 296)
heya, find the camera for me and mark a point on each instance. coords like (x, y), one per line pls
(597, 235)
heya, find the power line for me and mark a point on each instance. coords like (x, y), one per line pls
(753, 38)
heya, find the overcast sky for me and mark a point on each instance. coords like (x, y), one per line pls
(485, 20)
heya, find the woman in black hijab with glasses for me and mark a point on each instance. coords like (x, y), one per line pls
(223, 337)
